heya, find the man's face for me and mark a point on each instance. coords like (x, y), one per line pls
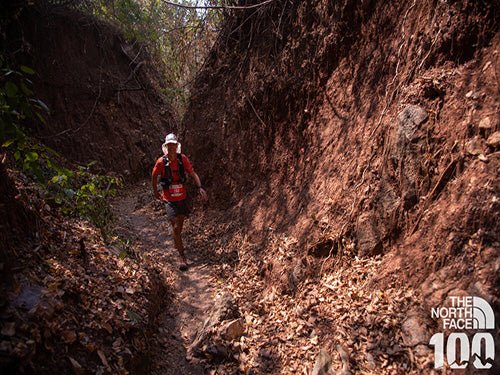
(172, 147)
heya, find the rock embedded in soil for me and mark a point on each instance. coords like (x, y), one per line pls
(494, 140)
(208, 341)
(232, 330)
(410, 118)
(475, 146)
(322, 364)
(368, 236)
(414, 331)
(485, 123)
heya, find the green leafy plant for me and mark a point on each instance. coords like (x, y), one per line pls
(78, 193)
(177, 38)
(125, 246)
(17, 104)
(84, 194)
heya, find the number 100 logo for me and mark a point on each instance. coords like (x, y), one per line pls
(461, 342)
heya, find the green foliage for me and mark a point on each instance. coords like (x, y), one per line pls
(18, 105)
(125, 247)
(178, 38)
(84, 194)
(134, 317)
(79, 193)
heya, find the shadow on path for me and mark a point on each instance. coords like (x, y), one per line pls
(142, 221)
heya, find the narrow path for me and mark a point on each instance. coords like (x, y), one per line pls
(142, 221)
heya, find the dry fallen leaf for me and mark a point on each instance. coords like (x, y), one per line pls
(103, 359)
(107, 327)
(90, 347)
(9, 329)
(77, 368)
(69, 337)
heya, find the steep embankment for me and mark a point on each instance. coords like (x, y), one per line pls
(352, 119)
(359, 128)
(104, 93)
(75, 299)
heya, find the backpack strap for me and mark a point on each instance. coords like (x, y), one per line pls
(168, 171)
(182, 172)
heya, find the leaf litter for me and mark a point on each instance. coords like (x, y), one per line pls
(100, 311)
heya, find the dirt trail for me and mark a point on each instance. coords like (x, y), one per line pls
(141, 220)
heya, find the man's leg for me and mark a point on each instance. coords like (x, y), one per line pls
(177, 224)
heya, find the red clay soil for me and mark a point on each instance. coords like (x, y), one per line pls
(310, 136)
(359, 129)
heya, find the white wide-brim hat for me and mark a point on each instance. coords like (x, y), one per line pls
(170, 138)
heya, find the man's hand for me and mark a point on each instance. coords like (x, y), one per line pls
(154, 185)
(203, 194)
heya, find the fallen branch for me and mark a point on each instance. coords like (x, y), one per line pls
(133, 72)
(83, 250)
(443, 179)
(331, 287)
(438, 187)
(256, 114)
(239, 7)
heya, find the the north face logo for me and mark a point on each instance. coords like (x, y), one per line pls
(464, 313)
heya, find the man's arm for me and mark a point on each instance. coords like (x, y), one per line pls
(154, 183)
(197, 181)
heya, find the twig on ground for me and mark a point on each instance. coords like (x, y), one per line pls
(256, 114)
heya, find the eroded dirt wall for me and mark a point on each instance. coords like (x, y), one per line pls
(103, 92)
(355, 120)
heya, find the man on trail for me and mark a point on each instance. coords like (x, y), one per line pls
(172, 168)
